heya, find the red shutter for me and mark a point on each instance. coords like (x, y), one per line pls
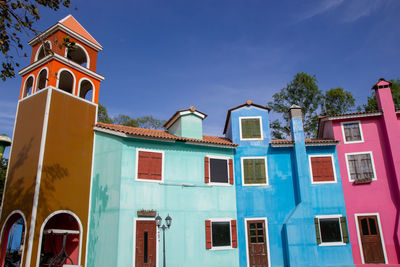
(208, 234)
(149, 165)
(206, 170)
(230, 171)
(234, 234)
(322, 169)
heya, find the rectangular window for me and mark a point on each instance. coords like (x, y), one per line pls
(250, 128)
(254, 171)
(149, 165)
(219, 170)
(352, 132)
(322, 169)
(221, 234)
(331, 230)
(360, 167)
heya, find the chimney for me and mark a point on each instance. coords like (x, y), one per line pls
(383, 95)
(186, 123)
(296, 123)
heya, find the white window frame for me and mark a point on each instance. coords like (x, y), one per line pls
(327, 244)
(356, 215)
(37, 51)
(134, 238)
(344, 134)
(261, 129)
(229, 220)
(333, 166)
(266, 171)
(86, 53)
(37, 80)
(266, 238)
(137, 165)
(360, 153)
(227, 165)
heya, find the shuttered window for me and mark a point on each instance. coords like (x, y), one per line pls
(221, 234)
(331, 230)
(217, 170)
(251, 128)
(149, 165)
(322, 169)
(360, 166)
(352, 131)
(254, 171)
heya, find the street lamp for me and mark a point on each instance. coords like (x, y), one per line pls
(168, 221)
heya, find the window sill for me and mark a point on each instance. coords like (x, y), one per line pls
(363, 181)
(265, 185)
(220, 184)
(329, 244)
(149, 181)
(222, 248)
(324, 182)
(353, 142)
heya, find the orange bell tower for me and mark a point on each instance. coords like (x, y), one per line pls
(47, 192)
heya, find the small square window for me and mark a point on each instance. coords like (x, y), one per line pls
(149, 165)
(219, 170)
(250, 128)
(322, 169)
(254, 171)
(360, 167)
(331, 230)
(221, 234)
(352, 132)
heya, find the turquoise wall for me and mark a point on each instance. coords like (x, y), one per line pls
(183, 195)
(189, 125)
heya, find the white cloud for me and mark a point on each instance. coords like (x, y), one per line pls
(321, 7)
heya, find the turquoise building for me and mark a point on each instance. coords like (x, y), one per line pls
(140, 173)
(290, 204)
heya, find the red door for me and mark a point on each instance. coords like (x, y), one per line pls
(257, 245)
(146, 240)
(371, 239)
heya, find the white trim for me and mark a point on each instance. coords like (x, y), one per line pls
(79, 88)
(360, 153)
(25, 230)
(333, 167)
(228, 220)
(37, 80)
(37, 52)
(38, 180)
(90, 195)
(261, 129)
(352, 116)
(356, 215)
(42, 229)
(326, 244)
(135, 219)
(180, 114)
(63, 60)
(24, 87)
(344, 134)
(266, 171)
(266, 238)
(86, 53)
(227, 166)
(137, 165)
(58, 80)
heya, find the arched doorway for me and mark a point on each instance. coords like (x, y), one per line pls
(86, 90)
(60, 240)
(12, 240)
(66, 81)
(42, 79)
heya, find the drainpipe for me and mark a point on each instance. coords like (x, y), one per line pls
(5, 141)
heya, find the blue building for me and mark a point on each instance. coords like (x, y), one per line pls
(290, 204)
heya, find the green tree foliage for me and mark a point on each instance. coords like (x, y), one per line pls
(17, 17)
(302, 91)
(372, 105)
(143, 122)
(3, 171)
(337, 101)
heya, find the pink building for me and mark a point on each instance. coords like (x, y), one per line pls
(369, 159)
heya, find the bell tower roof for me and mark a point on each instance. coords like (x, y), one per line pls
(73, 28)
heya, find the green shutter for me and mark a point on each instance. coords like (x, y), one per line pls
(251, 128)
(345, 233)
(317, 234)
(254, 171)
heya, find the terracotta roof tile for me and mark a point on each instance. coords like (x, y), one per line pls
(307, 141)
(71, 23)
(349, 114)
(164, 134)
(282, 142)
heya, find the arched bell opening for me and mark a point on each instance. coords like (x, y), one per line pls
(86, 90)
(42, 79)
(28, 86)
(44, 50)
(60, 240)
(66, 81)
(12, 240)
(78, 55)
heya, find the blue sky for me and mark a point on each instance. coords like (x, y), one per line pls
(162, 56)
